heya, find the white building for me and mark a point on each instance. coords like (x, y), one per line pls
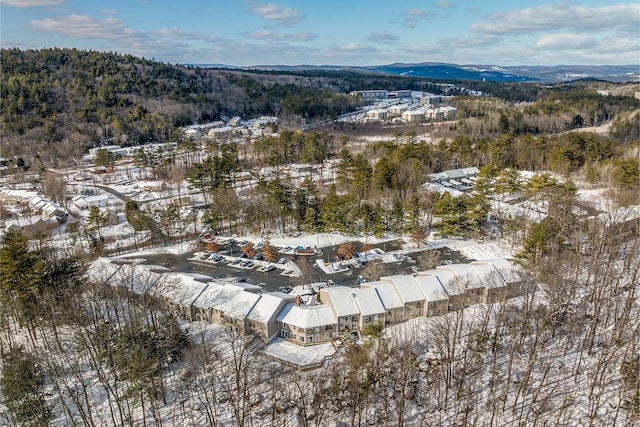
(86, 202)
(372, 94)
(377, 114)
(306, 325)
(413, 116)
(397, 110)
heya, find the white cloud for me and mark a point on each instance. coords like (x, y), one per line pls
(277, 36)
(82, 26)
(277, 13)
(413, 16)
(445, 4)
(559, 16)
(354, 47)
(108, 12)
(111, 30)
(584, 46)
(383, 38)
(421, 49)
(469, 42)
(564, 41)
(178, 34)
(350, 52)
(32, 3)
(627, 46)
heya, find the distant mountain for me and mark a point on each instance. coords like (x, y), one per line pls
(493, 73)
(452, 71)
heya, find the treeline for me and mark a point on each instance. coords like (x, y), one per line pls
(380, 188)
(62, 101)
(55, 103)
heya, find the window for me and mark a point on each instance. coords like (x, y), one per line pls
(285, 333)
(310, 338)
(317, 330)
(354, 326)
(326, 336)
(328, 327)
(301, 338)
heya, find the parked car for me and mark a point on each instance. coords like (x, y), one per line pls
(258, 256)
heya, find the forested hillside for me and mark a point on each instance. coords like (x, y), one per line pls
(56, 103)
(62, 101)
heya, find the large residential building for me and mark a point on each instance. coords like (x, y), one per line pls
(326, 314)
(371, 94)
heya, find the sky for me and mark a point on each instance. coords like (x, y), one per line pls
(332, 32)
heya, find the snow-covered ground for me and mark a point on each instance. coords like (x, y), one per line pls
(299, 355)
(480, 251)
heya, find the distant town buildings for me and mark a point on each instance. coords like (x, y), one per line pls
(31, 211)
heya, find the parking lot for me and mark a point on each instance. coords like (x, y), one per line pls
(229, 265)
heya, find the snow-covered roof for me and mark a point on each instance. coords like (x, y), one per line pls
(387, 294)
(509, 272)
(228, 298)
(18, 194)
(454, 173)
(101, 270)
(451, 284)
(488, 274)
(268, 306)
(465, 273)
(368, 301)
(182, 289)
(441, 188)
(341, 299)
(307, 317)
(431, 287)
(406, 287)
(248, 287)
(308, 289)
(216, 294)
(96, 198)
(240, 305)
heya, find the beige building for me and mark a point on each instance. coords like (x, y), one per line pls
(307, 325)
(377, 114)
(413, 116)
(261, 320)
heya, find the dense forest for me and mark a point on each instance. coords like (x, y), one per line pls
(56, 103)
